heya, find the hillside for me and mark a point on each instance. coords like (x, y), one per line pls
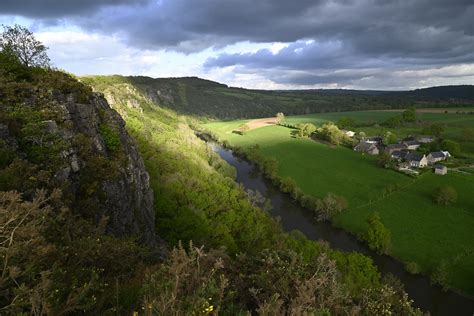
(81, 212)
(197, 199)
(207, 99)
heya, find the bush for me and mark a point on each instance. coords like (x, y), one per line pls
(378, 236)
(288, 185)
(306, 130)
(330, 206)
(445, 195)
(111, 137)
(440, 274)
(412, 267)
(451, 146)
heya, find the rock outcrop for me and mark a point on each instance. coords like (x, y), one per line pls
(129, 199)
(96, 163)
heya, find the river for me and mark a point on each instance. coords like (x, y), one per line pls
(426, 296)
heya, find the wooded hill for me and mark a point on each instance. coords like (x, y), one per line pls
(204, 98)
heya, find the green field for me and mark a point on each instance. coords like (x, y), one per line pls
(422, 232)
(454, 124)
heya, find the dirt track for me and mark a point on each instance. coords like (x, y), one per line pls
(253, 124)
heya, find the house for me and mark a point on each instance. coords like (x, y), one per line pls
(416, 160)
(366, 147)
(349, 133)
(436, 156)
(439, 169)
(377, 140)
(411, 144)
(395, 147)
(424, 139)
(399, 154)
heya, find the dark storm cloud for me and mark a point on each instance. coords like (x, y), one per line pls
(323, 36)
(372, 27)
(54, 9)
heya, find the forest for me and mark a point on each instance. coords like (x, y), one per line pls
(211, 100)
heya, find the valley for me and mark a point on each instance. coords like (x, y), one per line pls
(422, 232)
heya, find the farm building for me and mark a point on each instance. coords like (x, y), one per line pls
(412, 144)
(436, 156)
(416, 160)
(366, 147)
(439, 169)
(395, 147)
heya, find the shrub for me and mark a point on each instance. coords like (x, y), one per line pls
(378, 236)
(453, 147)
(330, 206)
(440, 274)
(110, 136)
(288, 185)
(445, 195)
(412, 267)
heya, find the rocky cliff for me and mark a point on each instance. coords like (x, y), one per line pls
(62, 135)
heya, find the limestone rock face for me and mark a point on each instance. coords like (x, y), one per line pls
(96, 164)
(128, 204)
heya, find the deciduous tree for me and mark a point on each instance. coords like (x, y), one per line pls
(280, 117)
(24, 45)
(378, 236)
(445, 195)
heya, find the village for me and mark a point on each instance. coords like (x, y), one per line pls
(405, 153)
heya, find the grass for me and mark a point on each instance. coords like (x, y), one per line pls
(422, 231)
(455, 124)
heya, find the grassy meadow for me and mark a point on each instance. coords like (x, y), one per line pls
(422, 231)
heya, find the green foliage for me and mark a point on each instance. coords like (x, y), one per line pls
(346, 122)
(378, 236)
(453, 147)
(331, 133)
(412, 267)
(435, 129)
(330, 206)
(405, 205)
(210, 100)
(56, 262)
(59, 259)
(409, 115)
(11, 68)
(440, 274)
(394, 121)
(270, 283)
(468, 133)
(22, 43)
(195, 201)
(306, 130)
(244, 128)
(389, 138)
(384, 160)
(358, 271)
(288, 185)
(111, 137)
(445, 195)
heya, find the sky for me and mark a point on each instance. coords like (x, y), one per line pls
(263, 44)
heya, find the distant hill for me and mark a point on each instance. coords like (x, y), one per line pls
(205, 98)
(465, 92)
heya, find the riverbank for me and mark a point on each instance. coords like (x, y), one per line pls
(293, 216)
(432, 239)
